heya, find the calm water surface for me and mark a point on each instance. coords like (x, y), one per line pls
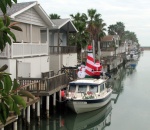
(128, 110)
(132, 109)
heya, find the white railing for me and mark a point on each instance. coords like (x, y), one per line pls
(24, 50)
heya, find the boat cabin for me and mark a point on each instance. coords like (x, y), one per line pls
(81, 87)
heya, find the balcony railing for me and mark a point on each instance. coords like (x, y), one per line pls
(62, 49)
(24, 50)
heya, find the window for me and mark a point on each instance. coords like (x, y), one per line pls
(82, 88)
(101, 87)
(72, 88)
(93, 88)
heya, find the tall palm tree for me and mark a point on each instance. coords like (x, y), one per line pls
(130, 36)
(118, 28)
(111, 29)
(95, 26)
(81, 38)
(93, 19)
(54, 16)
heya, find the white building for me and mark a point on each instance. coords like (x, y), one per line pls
(29, 56)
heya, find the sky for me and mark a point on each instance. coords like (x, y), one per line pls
(135, 14)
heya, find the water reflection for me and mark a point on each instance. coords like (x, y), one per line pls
(117, 80)
(95, 120)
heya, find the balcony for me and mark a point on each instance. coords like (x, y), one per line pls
(24, 50)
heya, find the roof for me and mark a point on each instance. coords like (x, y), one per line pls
(63, 24)
(19, 8)
(107, 38)
(87, 81)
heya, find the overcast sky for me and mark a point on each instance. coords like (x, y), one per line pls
(135, 14)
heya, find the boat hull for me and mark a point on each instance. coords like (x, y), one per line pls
(90, 120)
(81, 106)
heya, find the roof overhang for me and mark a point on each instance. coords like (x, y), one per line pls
(67, 25)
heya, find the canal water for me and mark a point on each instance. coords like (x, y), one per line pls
(129, 108)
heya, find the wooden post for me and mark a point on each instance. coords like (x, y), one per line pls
(54, 100)
(47, 106)
(60, 96)
(24, 113)
(2, 128)
(47, 124)
(20, 123)
(41, 101)
(54, 125)
(38, 112)
(28, 114)
(15, 125)
(60, 121)
(33, 106)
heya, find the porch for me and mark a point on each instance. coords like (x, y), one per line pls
(47, 86)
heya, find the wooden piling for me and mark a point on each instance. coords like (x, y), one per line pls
(28, 114)
(60, 96)
(38, 112)
(54, 100)
(47, 106)
(15, 125)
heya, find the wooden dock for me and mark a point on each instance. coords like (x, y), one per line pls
(39, 87)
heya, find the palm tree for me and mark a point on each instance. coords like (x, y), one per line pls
(95, 27)
(81, 38)
(93, 19)
(130, 36)
(111, 29)
(54, 16)
(118, 28)
(90, 27)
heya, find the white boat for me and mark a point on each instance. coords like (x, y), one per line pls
(133, 55)
(94, 120)
(131, 64)
(88, 94)
(90, 91)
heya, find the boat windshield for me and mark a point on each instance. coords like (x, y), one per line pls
(93, 88)
(101, 87)
(72, 88)
(82, 88)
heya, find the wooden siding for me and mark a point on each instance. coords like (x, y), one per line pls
(25, 34)
(31, 17)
